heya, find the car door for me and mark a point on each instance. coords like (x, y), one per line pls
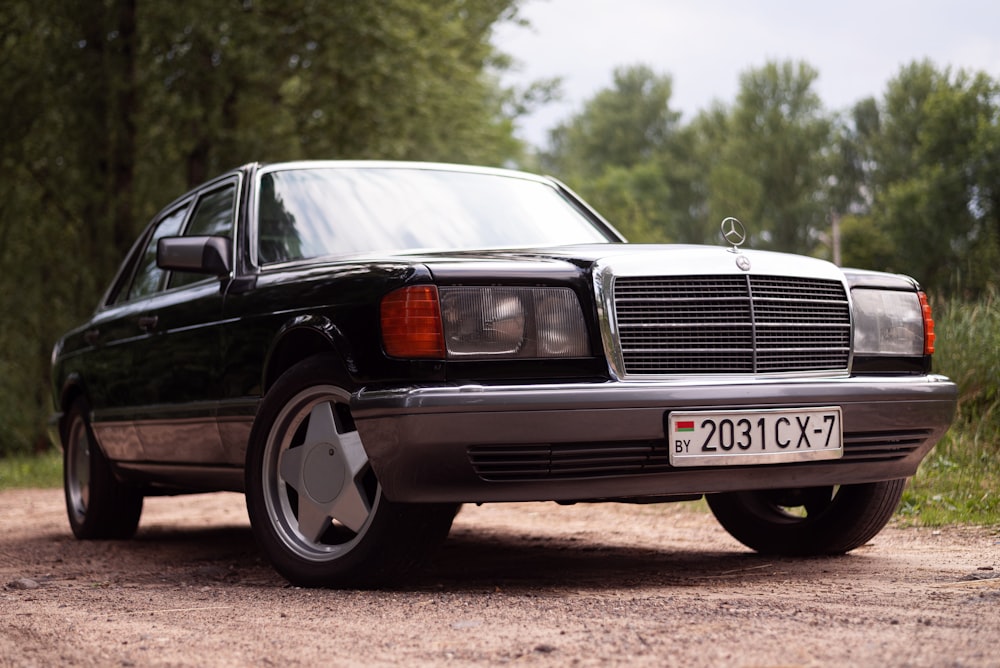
(176, 360)
(113, 335)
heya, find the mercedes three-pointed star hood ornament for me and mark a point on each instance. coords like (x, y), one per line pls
(733, 232)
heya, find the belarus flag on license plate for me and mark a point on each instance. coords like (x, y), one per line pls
(683, 425)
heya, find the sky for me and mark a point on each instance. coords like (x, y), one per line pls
(857, 46)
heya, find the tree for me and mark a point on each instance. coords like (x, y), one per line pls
(621, 126)
(771, 171)
(113, 107)
(936, 191)
(761, 160)
(620, 152)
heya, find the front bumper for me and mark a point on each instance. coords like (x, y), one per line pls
(586, 441)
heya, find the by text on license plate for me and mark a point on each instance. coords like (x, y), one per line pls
(738, 437)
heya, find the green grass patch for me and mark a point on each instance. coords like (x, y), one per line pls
(39, 471)
(959, 483)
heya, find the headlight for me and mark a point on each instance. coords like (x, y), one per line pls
(892, 323)
(426, 322)
(492, 322)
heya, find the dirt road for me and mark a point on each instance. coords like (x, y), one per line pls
(532, 584)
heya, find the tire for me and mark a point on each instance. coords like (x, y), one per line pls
(316, 508)
(808, 522)
(98, 505)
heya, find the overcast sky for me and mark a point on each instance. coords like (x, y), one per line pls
(857, 46)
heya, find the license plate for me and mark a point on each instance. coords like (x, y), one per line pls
(773, 436)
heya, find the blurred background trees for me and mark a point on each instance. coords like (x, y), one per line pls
(907, 183)
(111, 108)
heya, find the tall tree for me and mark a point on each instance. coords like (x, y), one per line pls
(111, 108)
(936, 191)
(854, 240)
(771, 172)
(620, 126)
(617, 152)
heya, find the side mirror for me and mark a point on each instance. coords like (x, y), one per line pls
(200, 255)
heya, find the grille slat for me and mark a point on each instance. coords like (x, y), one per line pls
(553, 461)
(731, 324)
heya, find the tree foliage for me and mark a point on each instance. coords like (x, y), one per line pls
(619, 127)
(936, 191)
(113, 107)
(908, 182)
(613, 152)
(775, 146)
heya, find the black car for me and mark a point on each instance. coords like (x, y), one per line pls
(362, 346)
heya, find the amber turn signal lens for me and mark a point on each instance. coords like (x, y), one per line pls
(411, 323)
(929, 335)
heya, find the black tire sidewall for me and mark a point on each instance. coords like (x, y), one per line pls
(856, 515)
(113, 508)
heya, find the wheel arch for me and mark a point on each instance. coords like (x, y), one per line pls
(72, 389)
(300, 339)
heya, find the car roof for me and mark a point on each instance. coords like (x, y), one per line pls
(400, 164)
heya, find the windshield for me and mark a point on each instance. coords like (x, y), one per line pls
(316, 212)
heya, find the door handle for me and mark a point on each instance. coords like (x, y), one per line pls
(148, 322)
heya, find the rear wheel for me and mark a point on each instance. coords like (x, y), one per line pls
(809, 521)
(97, 503)
(315, 506)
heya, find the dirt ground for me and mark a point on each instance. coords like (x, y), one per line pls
(531, 584)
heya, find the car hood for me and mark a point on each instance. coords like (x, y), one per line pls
(570, 263)
(623, 259)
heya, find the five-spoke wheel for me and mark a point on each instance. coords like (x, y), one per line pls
(315, 504)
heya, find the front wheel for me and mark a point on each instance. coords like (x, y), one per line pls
(810, 521)
(315, 506)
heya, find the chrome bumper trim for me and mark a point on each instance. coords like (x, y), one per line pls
(419, 438)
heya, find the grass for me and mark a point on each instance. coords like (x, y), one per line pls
(956, 484)
(959, 483)
(41, 471)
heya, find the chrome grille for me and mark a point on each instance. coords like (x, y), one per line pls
(731, 325)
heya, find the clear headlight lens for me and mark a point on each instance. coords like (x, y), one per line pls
(488, 322)
(889, 323)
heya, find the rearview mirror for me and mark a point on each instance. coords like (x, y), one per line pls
(200, 255)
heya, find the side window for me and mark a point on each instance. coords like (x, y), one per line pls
(148, 277)
(278, 240)
(213, 216)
